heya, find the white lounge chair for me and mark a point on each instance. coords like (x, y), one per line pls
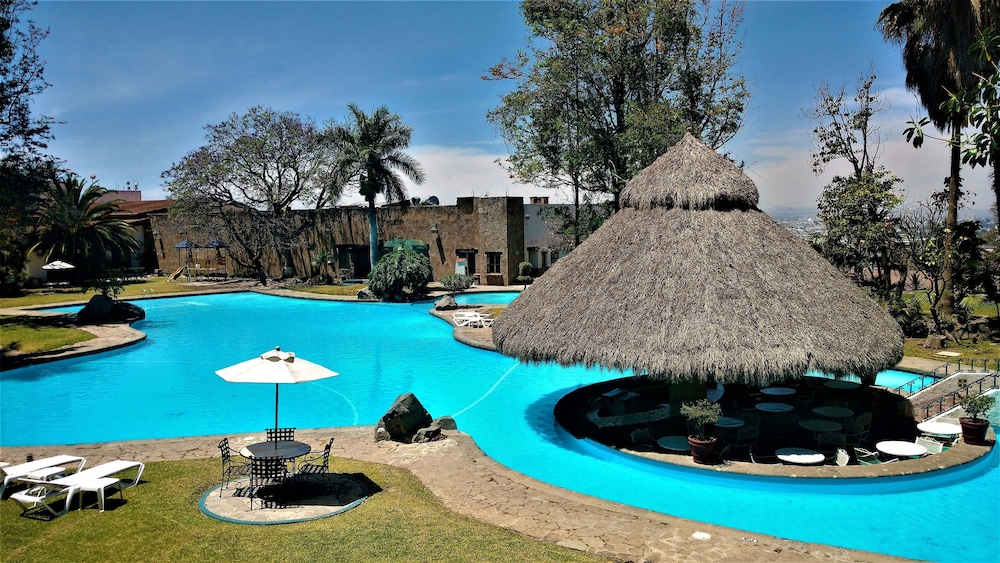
(933, 446)
(472, 319)
(97, 479)
(14, 472)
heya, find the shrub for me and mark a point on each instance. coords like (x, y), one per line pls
(524, 273)
(455, 283)
(398, 271)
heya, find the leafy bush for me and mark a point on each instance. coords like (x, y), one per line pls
(701, 413)
(398, 271)
(524, 273)
(455, 283)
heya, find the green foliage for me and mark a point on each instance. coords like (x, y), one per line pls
(977, 405)
(22, 133)
(372, 158)
(110, 286)
(524, 273)
(861, 237)
(24, 182)
(456, 283)
(76, 227)
(400, 270)
(701, 413)
(607, 87)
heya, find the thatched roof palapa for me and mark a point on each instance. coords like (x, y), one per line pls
(690, 281)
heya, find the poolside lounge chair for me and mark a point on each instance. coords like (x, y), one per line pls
(14, 472)
(98, 479)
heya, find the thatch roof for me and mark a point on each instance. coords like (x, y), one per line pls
(691, 281)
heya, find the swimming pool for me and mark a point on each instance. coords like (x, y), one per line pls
(166, 387)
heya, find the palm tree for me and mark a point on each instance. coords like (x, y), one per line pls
(73, 225)
(936, 36)
(371, 154)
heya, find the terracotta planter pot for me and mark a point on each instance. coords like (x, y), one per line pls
(974, 430)
(702, 450)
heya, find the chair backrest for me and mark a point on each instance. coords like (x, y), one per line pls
(933, 446)
(226, 451)
(267, 468)
(747, 435)
(864, 418)
(842, 457)
(641, 436)
(865, 457)
(280, 434)
(326, 453)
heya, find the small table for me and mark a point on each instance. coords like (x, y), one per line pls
(817, 425)
(285, 449)
(935, 428)
(899, 448)
(800, 456)
(778, 391)
(841, 384)
(833, 412)
(774, 407)
(674, 443)
(729, 422)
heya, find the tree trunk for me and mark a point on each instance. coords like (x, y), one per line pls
(372, 232)
(947, 304)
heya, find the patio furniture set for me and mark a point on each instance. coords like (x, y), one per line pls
(472, 319)
(274, 468)
(46, 481)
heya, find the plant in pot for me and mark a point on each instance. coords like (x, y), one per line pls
(701, 414)
(974, 427)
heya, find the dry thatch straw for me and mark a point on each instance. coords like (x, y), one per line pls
(690, 281)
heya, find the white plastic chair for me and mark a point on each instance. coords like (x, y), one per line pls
(933, 446)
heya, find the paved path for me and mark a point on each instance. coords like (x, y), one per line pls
(472, 484)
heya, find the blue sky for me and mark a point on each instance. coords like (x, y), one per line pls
(135, 83)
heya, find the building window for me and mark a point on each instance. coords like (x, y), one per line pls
(492, 262)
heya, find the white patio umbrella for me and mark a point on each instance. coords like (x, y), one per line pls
(58, 265)
(277, 367)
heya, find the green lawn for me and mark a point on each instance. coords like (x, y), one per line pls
(160, 521)
(156, 285)
(28, 335)
(914, 347)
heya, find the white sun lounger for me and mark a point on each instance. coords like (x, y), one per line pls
(97, 479)
(472, 319)
(14, 472)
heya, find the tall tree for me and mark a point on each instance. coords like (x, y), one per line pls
(372, 159)
(606, 87)
(936, 37)
(21, 78)
(74, 226)
(856, 210)
(243, 183)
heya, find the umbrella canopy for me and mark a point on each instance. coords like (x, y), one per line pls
(275, 366)
(187, 244)
(216, 243)
(690, 281)
(58, 265)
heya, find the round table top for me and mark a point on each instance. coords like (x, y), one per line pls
(777, 391)
(729, 422)
(900, 448)
(939, 428)
(833, 412)
(286, 449)
(841, 384)
(800, 456)
(674, 443)
(821, 425)
(774, 407)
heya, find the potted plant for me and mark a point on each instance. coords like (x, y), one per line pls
(701, 414)
(973, 427)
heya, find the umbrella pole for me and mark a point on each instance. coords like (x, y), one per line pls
(275, 406)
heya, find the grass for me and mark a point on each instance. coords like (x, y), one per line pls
(33, 334)
(160, 520)
(925, 308)
(984, 349)
(156, 285)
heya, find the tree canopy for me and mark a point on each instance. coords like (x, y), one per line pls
(242, 184)
(605, 88)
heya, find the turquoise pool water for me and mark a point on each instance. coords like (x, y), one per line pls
(166, 387)
(487, 298)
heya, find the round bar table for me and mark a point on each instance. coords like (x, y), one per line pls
(800, 456)
(899, 448)
(774, 407)
(935, 428)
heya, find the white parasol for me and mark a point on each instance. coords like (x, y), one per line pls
(58, 265)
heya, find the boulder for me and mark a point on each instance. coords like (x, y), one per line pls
(429, 434)
(935, 342)
(404, 418)
(365, 295)
(446, 303)
(445, 423)
(102, 309)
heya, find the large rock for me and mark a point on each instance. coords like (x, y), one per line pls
(102, 309)
(446, 303)
(405, 417)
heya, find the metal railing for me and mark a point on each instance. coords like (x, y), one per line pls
(952, 399)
